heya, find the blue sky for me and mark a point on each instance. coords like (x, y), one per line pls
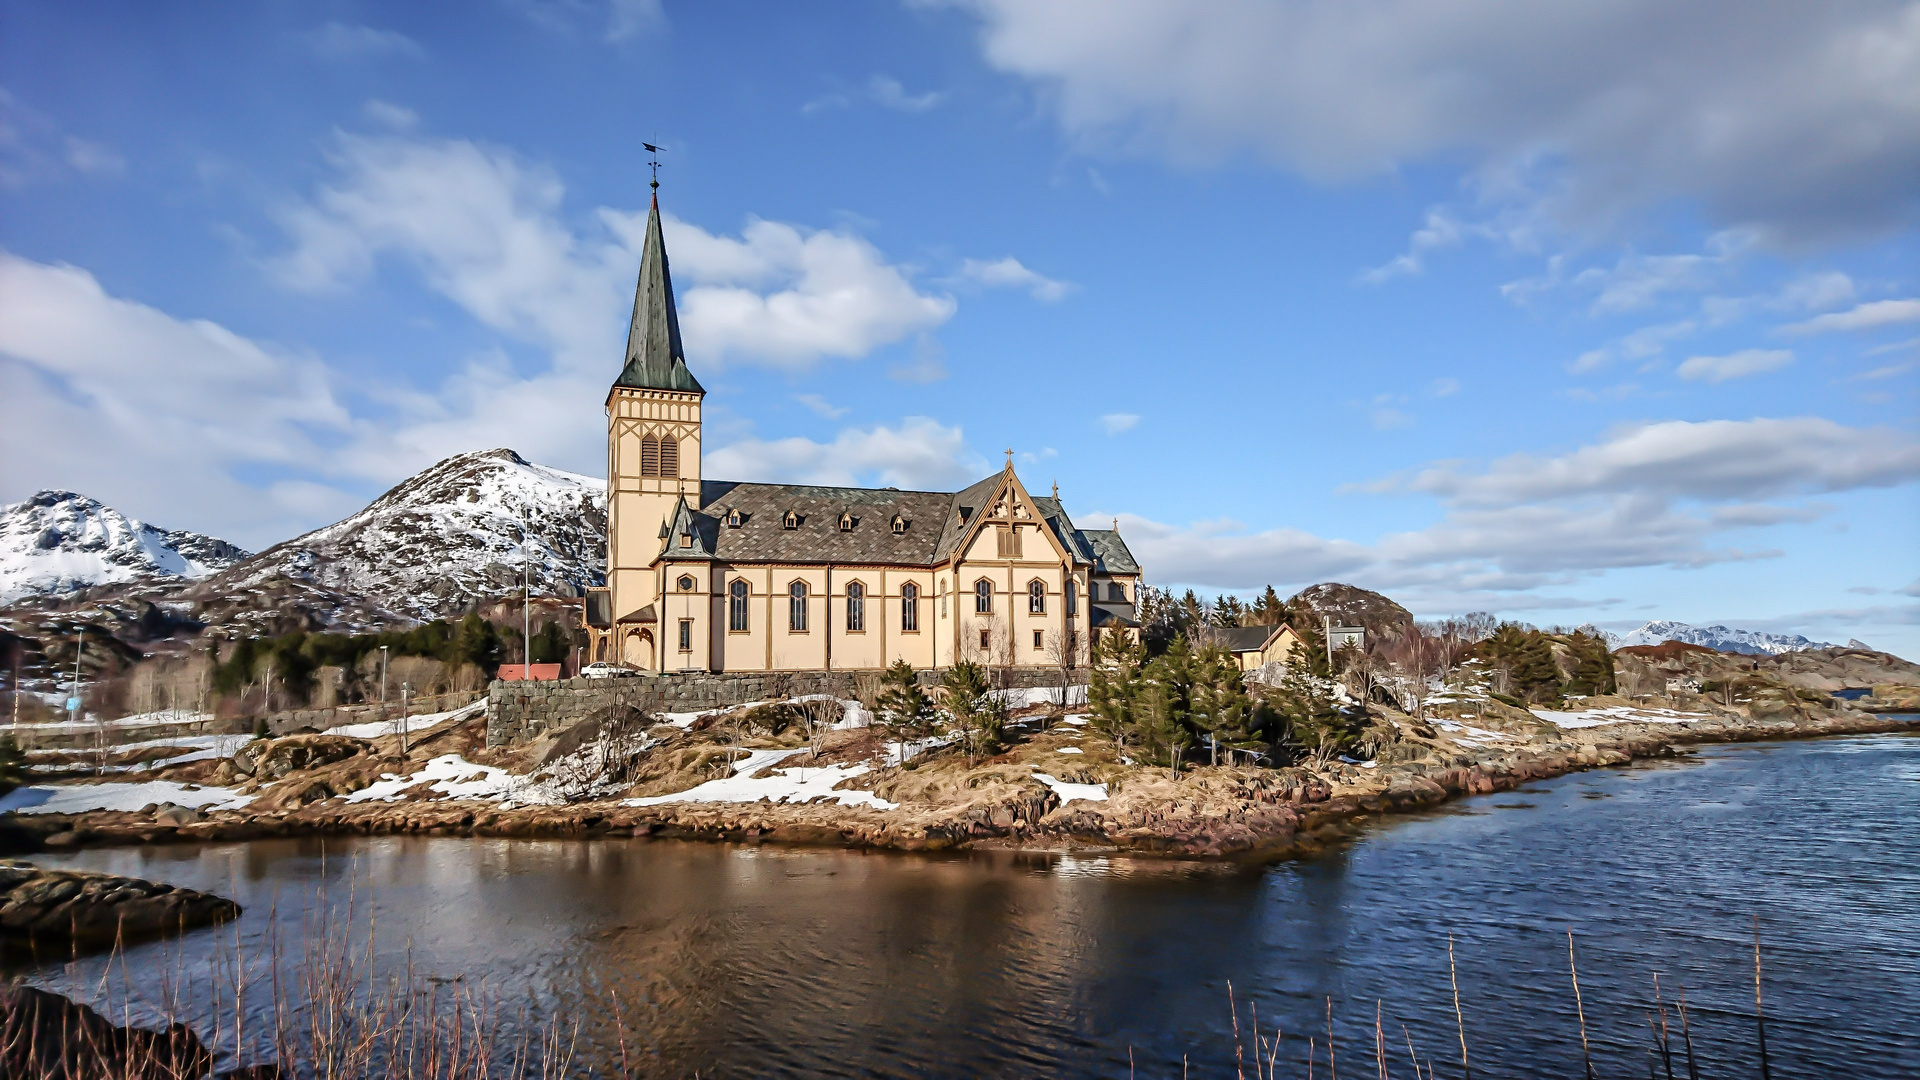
(1603, 314)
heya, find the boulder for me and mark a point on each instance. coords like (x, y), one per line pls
(271, 759)
(45, 1035)
(98, 909)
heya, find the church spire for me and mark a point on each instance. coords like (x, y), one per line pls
(655, 360)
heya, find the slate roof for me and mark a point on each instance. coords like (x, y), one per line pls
(1246, 638)
(1111, 555)
(936, 522)
(655, 358)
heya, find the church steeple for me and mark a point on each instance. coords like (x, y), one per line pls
(655, 360)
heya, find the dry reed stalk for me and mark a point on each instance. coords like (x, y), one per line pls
(1459, 1019)
(1379, 1042)
(1686, 1032)
(1239, 1065)
(1759, 1017)
(1666, 1037)
(1586, 1053)
(1333, 1070)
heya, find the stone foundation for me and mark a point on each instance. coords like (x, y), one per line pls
(518, 711)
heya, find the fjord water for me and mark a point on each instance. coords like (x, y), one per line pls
(760, 961)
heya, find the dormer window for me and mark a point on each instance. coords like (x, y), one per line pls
(733, 518)
(846, 521)
(686, 539)
(790, 520)
(899, 525)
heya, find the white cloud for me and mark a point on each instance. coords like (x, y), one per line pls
(920, 454)
(1658, 495)
(1716, 460)
(887, 92)
(1868, 316)
(155, 414)
(1638, 101)
(33, 147)
(388, 115)
(631, 18)
(482, 228)
(342, 41)
(1445, 387)
(822, 406)
(1739, 365)
(1010, 273)
(1115, 423)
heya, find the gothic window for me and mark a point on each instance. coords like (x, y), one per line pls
(686, 635)
(899, 525)
(737, 605)
(686, 583)
(669, 456)
(733, 518)
(856, 606)
(846, 521)
(1073, 600)
(1036, 597)
(650, 456)
(797, 607)
(983, 596)
(790, 520)
(1008, 538)
(909, 607)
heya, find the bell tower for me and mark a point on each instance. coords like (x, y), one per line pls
(653, 449)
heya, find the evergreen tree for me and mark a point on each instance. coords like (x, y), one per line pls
(979, 715)
(1113, 684)
(1163, 719)
(1269, 610)
(1310, 656)
(1221, 708)
(476, 642)
(902, 706)
(1592, 665)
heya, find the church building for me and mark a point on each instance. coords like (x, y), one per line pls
(718, 575)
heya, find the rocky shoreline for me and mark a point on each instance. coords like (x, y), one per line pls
(1207, 813)
(42, 909)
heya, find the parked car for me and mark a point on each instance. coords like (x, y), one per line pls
(606, 671)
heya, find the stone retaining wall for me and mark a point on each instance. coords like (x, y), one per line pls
(321, 719)
(518, 711)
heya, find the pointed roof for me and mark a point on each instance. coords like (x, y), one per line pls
(655, 359)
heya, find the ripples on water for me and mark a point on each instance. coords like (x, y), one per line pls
(768, 961)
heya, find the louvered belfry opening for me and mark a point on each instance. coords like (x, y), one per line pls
(650, 456)
(1008, 539)
(669, 456)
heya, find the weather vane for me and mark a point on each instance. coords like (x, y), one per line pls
(654, 164)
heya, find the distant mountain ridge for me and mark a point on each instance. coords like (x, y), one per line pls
(60, 542)
(1719, 638)
(437, 542)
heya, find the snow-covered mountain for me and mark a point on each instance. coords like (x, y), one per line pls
(57, 542)
(1721, 638)
(446, 537)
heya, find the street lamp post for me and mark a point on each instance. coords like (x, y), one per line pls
(404, 687)
(383, 674)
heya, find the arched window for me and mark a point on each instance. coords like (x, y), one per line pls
(983, 596)
(733, 518)
(737, 605)
(1073, 600)
(797, 607)
(899, 525)
(669, 456)
(909, 607)
(790, 520)
(650, 456)
(846, 521)
(1036, 597)
(856, 606)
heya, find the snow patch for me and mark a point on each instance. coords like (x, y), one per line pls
(1073, 792)
(79, 798)
(1618, 714)
(794, 785)
(453, 777)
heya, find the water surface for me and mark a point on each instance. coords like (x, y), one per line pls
(737, 961)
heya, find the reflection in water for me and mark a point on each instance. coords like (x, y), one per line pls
(770, 961)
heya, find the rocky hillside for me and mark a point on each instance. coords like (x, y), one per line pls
(1645, 668)
(1350, 605)
(443, 539)
(1720, 639)
(59, 542)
